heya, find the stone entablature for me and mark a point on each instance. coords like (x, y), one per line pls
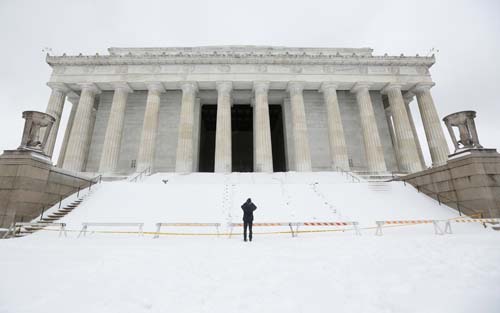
(243, 65)
(241, 55)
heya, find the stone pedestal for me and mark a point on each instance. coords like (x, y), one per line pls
(29, 183)
(469, 181)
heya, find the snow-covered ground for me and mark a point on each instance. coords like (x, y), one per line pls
(408, 269)
(280, 197)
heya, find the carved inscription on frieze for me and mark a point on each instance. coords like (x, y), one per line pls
(224, 68)
(261, 68)
(188, 68)
(121, 69)
(341, 69)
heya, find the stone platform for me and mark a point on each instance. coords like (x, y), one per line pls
(29, 183)
(469, 181)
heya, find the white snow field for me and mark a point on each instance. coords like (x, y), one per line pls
(191, 269)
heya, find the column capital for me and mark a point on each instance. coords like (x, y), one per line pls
(391, 86)
(295, 87)
(155, 87)
(408, 96)
(421, 87)
(73, 98)
(361, 86)
(188, 86)
(260, 86)
(224, 86)
(91, 87)
(327, 86)
(61, 87)
(123, 86)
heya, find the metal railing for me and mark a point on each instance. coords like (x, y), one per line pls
(348, 174)
(93, 181)
(140, 175)
(443, 199)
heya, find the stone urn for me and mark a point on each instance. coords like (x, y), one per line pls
(467, 133)
(33, 138)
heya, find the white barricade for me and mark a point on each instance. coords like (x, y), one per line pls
(85, 226)
(291, 225)
(159, 225)
(380, 224)
(294, 226)
(438, 224)
(18, 226)
(7, 232)
(447, 228)
(355, 225)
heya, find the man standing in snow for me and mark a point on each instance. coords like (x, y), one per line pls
(248, 207)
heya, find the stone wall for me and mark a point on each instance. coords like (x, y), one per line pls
(28, 184)
(470, 183)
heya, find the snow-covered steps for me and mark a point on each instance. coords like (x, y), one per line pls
(280, 198)
(51, 216)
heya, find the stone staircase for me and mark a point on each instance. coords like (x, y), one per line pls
(379, 186)
(53, 217)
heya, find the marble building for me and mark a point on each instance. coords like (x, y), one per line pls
(243, 109)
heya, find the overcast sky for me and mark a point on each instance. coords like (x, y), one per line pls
(466, 33)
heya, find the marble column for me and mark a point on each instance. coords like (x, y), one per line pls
(75, 152)
(147, 147)
(196, 134)
(338, 148)
(407, 150)
(114, 129)
(390, 125)
(299, 124)
(432, 125)
(55, 109)
(93, 117)
(373, 146)
(73, 99)
(223, 161)
(263, 151)
(184, 157)
(408, 97)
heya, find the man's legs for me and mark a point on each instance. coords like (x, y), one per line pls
(250, 224)
(245, 225)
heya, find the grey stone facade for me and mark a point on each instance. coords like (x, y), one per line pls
(306, 120)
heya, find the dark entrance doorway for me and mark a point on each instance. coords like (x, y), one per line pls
(242, 138)
(277, 138)
(207, 138)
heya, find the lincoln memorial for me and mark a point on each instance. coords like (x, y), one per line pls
(243, 109)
